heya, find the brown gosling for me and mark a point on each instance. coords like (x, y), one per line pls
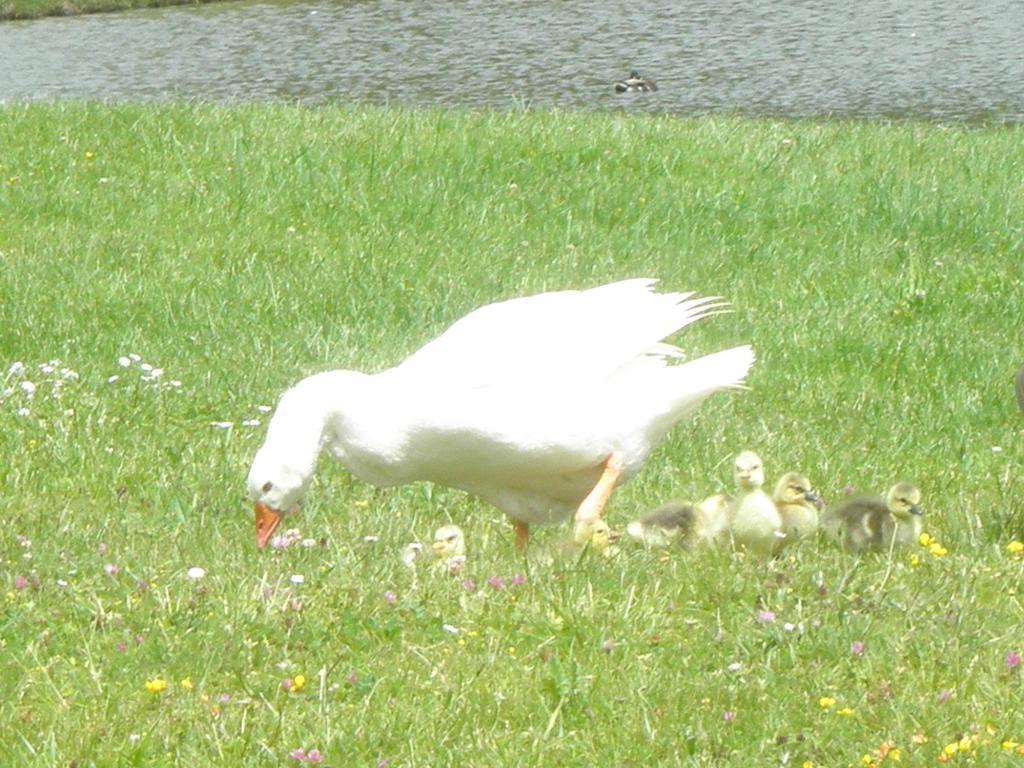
(872, 523)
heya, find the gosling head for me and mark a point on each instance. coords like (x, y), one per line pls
(794, 488)
(902, 501)
(596, 533)
(449, 542)
(748, 471)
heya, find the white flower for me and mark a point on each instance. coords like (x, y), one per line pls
(16, 369)
(251, 423)
(221, 424)
(735, 667)
(133, 357)
(307, 543)
(450, 629)
(123, 361)
(996, 449)
(156, 373)
(146, 367)
(371, 539)
(23, 412)
(112, 379)
(47, 368)
(297, 578)
(174, 383)
(67, 373)
(195, 572)
(264, 408)
(61, 583)
(28, 388)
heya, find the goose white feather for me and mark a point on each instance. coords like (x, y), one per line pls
(521, 403)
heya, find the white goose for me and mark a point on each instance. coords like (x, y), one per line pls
(538, 405)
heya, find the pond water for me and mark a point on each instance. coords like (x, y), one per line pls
(932, 59)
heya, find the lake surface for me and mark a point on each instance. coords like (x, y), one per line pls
(940, 60)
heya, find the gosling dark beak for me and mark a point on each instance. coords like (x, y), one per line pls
(915, 510)
(267, 521)
(815, 499)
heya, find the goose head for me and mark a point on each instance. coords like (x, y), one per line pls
(748, 471)
(902, 501)
(275, 487)
(794, 488)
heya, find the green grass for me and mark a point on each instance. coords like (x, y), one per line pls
(875, 268)
(35, 9)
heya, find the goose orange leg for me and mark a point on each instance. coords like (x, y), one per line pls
(522, 534)
(593, 505)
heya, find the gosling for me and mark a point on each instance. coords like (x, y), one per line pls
(682, 524)
(865, 523)
(796, 502)
(450, 548)
(754, 520)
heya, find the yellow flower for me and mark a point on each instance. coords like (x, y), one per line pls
(914, 561)
(1015, 548)
(297, 682)
(806, 764)
(1009, 745)
(156, 685)
(90, 155)
(186, 683)
(937, 550)
(918, 738)
(894, 755)
(950, 749)
(866, 760)
(844, 712)
(925, 540)
(826, 702)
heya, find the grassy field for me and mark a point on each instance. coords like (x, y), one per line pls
(169, 270)
(35, 9)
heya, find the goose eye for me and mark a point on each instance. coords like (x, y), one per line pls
(267, 486)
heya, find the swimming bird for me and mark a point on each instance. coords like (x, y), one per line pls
(796, 502)
(754, 520)
(539, 405)
(635, 84)
(871, 522)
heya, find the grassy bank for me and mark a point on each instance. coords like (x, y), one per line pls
(37, 9)
(875, 269)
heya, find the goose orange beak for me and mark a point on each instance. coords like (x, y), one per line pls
(267, 521)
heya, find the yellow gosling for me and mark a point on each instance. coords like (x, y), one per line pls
(754, 519)
(796, 502)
